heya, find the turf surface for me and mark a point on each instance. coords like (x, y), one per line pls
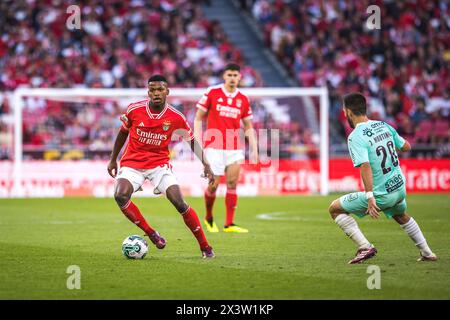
(293, 251)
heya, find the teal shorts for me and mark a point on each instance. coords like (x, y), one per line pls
(391, 204)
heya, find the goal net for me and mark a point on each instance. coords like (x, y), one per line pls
(63, 139)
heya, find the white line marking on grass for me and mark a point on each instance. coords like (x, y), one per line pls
(280, 216)
(271, 216)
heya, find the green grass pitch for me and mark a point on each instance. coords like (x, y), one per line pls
(300, 253)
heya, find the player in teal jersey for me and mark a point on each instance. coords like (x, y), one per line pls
(373, 148)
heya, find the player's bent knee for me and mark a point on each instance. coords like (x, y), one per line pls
(402, 218)
(334, 208)
(174, 195)
(121, 198)
(331, 207)
(182, 207)
(231, 184)
(213, 188)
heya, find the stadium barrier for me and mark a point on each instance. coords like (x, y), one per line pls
(90, 178)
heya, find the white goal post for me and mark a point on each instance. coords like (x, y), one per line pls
(21, 93)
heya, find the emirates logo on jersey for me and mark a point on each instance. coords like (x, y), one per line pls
(228, 111)
(166, 125)
(151, 138)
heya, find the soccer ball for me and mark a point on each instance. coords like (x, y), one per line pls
(134, 247)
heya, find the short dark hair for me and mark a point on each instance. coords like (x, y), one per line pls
(232, 67)
(356, 102)
(157, 78)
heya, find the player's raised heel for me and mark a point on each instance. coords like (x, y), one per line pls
(211, 227)
(363, 254)
(431, 257)
(208, 253)
(157, 240)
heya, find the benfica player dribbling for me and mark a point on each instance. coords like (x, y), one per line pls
(150, 125)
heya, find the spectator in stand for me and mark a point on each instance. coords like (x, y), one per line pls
(327, 43)
(419, 114)
(119, 44)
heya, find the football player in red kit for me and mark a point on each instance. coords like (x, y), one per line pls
(149, 125)
(224, 107)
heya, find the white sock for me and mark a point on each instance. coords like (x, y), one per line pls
(350, 227)
(416, 235)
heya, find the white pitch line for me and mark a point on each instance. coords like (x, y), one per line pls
(279, 216)
(271, 216)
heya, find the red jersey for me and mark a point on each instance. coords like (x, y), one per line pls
(225, 112)
(150, 134)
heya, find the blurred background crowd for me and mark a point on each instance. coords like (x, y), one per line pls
(403, 68)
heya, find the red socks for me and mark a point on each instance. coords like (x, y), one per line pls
(209, 203)
(191, 220)
(134, 215)
(230, 202)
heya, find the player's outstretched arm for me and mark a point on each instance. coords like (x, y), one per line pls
(118, 144)
(367, 177)
(198, 151)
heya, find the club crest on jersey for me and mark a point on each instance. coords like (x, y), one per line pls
(166, 125)
(367, 132)
(238, 103)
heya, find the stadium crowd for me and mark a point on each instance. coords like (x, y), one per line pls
(119, 44)
(404, 67)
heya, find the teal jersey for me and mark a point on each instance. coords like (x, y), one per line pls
(376, 142)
